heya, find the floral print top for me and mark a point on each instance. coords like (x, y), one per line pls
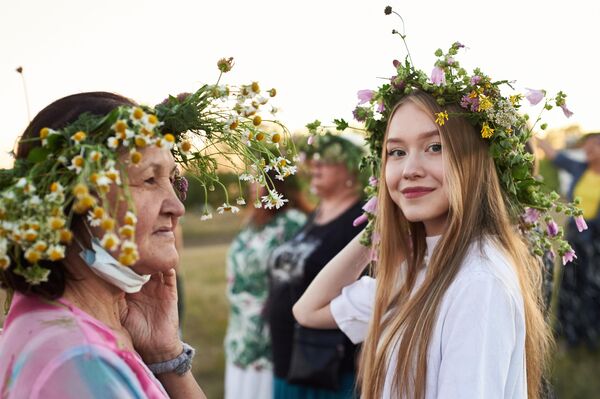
(247, 342)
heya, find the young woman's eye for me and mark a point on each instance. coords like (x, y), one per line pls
(437, 147)
(396, 153)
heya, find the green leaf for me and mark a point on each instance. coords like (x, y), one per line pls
(38, 154)
(340, 124)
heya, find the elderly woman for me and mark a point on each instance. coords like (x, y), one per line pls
(94, 299)
(335, 181)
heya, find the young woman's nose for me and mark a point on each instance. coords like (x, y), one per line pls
(413, 166)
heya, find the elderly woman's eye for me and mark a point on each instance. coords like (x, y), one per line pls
(150, 180)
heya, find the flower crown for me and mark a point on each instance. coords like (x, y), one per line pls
(498, 120)
(74, 168)
(333, 148)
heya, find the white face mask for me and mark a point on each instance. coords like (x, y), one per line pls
(105, 266)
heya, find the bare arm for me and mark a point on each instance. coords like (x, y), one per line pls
(184, 386)
(312, 309)
(547, 148)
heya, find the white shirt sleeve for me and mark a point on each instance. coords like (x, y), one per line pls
(353, 308)
(479, 336)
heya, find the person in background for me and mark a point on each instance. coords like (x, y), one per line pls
(335, 180)
(248, 373)
(579, 296)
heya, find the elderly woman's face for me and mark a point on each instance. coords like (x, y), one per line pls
(327, 179)
(158, 210)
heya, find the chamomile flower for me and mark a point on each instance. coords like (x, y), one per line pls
(110, 241)
(206, 216)
(273, 200)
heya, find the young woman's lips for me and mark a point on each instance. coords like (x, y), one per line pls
(416, 192)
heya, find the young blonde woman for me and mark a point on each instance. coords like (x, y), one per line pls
(454, 310)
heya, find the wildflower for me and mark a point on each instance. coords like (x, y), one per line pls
(30, 235)
(484, 103)
(233, 123)
(185, 147)
(40, 246)
(247, 177)
(365, 96)
(371, 205)
(486, 131)
(276, 138)
(515, 99)
(552, 228)
(113, 143)
(107, 223)
(438, 77)
(78, 137)
(113, 175)
(56, 222)
(32, 255)
(257, 204)
(65, 236)
(441, 118)
(566, 110)
(531, 215)
(272, 92)
(360, 220)
(130, 218)
(56, 252)
(77, 163)
(257, 120)
(96, 215)
(227, 208)
(95, 156)
(127, 231)
(135, 157)
(240, 201)
(475, 79)
(310, 139)
(206, 216)
(260, 136)
(4, 262)
(120, 126)
(273, 199)
(580, 223)
(80, 190)
(225, 64)
(380, 106)
(535, 96)
(137, 113)
(569, 256)
(140, 141)
(110, 241)
(373, 181)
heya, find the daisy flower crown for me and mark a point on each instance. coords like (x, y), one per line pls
(74, 168)
(498, 120)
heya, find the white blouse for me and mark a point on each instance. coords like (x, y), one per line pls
(477, 349)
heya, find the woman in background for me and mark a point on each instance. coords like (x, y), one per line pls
(248, 371)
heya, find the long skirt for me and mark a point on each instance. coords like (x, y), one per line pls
(248, 383)
(283, 390)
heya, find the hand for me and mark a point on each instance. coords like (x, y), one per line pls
(546, 147)
(150, 317)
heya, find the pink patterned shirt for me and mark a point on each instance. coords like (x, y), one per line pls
(52, 349)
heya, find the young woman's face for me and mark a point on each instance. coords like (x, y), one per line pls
(414, 171)
(158, 210)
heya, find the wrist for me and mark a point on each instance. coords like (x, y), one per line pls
(180, 364)
(163, 354)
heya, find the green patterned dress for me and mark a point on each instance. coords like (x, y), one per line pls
(247, 342)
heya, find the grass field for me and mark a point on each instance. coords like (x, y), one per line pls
(575, 374)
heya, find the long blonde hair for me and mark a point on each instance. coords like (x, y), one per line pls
(476, 209)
